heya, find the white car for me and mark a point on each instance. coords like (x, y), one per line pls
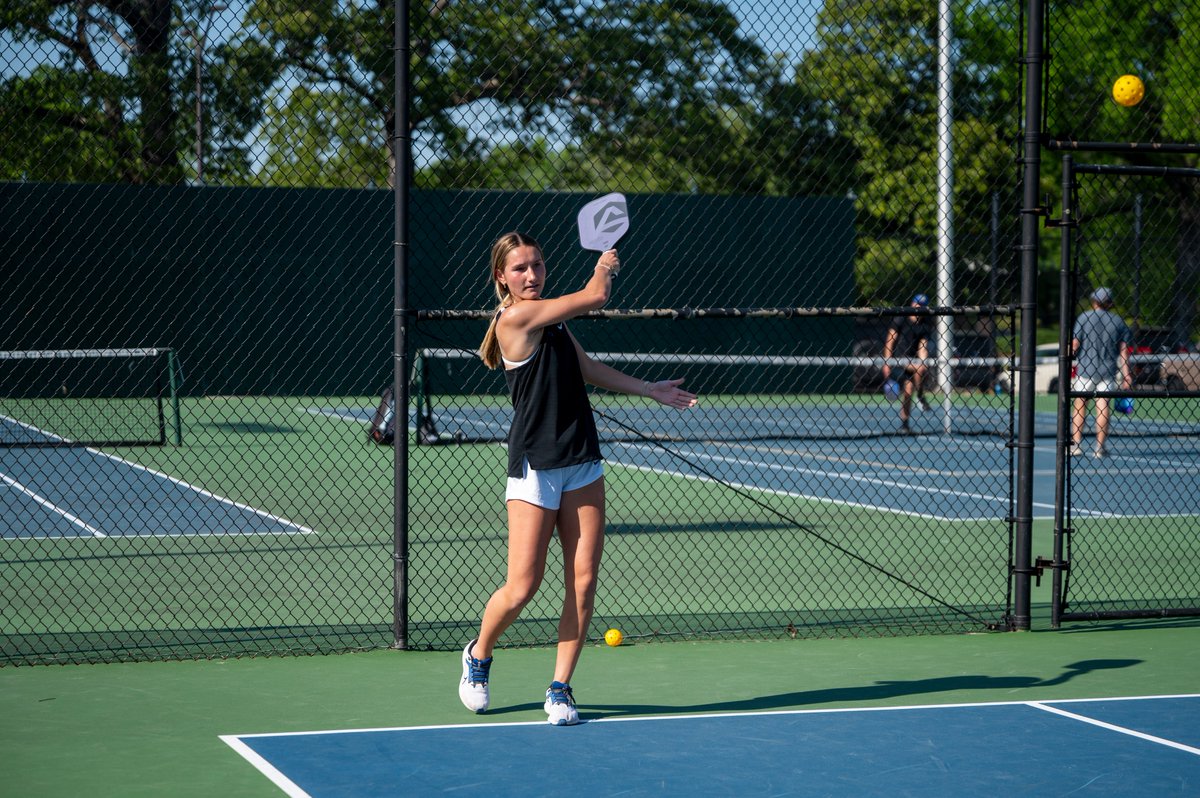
(1045, 374)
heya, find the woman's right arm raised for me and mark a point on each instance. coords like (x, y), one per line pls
(528, 316)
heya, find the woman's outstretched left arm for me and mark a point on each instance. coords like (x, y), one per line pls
(601, 375)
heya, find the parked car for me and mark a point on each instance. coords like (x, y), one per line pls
(1045, 373)
(1150, 342)
(1180, 372)
(1152, 347)
(1045, 376)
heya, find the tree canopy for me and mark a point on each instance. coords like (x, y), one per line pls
(558, 95)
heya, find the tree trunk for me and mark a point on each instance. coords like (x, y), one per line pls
(150, 68)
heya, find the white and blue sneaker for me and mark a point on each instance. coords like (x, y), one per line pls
(473, 687)
(560, 705)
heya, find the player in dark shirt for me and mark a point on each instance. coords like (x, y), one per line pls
(908, 336)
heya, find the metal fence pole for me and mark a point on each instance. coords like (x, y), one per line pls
(402, 155)
(1032, 159)
(174, 383)
(1066, 307)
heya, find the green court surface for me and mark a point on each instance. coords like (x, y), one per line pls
(307, 461)
(151, 729)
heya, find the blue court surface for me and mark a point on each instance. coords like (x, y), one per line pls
(853, 456)
(1147, 746)
(107, 496)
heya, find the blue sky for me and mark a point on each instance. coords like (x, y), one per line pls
(780, 27)
(785, 28)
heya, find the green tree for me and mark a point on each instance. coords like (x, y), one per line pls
(628, 80)
(75, 121)
(323, 138)
(667, 97)
(875, 63)
(781, 146)
(1156, 41)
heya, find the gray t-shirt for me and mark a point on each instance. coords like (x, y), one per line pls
(1100, 334)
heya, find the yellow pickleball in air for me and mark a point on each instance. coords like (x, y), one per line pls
(1128, 90)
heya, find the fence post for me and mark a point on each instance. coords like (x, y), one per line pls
(402, 156)
(1066, 307)
(1032, 160)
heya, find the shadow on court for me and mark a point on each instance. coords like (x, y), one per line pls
(872, 692)
(1141, 624)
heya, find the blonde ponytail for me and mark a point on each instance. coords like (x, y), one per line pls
(489, 350)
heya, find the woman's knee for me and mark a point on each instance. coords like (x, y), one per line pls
(520, 592)
(582, 587)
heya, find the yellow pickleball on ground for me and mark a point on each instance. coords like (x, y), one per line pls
(1128, 90)
(613, 637)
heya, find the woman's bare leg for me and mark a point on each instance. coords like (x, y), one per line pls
(529, 530)
(581, 532)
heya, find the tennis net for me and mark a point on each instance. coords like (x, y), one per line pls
(771, 397)
(89, 397)
(744, 397)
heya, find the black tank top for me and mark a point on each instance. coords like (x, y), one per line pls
(552, 423)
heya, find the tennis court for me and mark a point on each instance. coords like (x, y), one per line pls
(866, 487)
(850, 452)
(923, 715)
(841, 461)
(1130, 746)
(110, 496)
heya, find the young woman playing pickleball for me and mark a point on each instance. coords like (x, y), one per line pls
(555, 478)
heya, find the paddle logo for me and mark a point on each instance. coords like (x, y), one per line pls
(611, 218)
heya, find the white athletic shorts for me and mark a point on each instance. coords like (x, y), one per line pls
(1088, 384)
(545, 488)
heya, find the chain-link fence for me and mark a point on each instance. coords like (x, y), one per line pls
(798, 497)
(1109, 86)
(1124, 99)
(197, 218)
(1129, 450)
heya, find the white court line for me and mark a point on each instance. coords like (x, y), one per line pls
(759, 488)
(266, 768)
(492, 427)
(822, 455)
(706, 715)
(235, 741)
(340, 415)
(793, 494)
(1078, 511)
(303, 530)
(887, 483)
(76, 520)
(787, 493)
(1113, 727)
